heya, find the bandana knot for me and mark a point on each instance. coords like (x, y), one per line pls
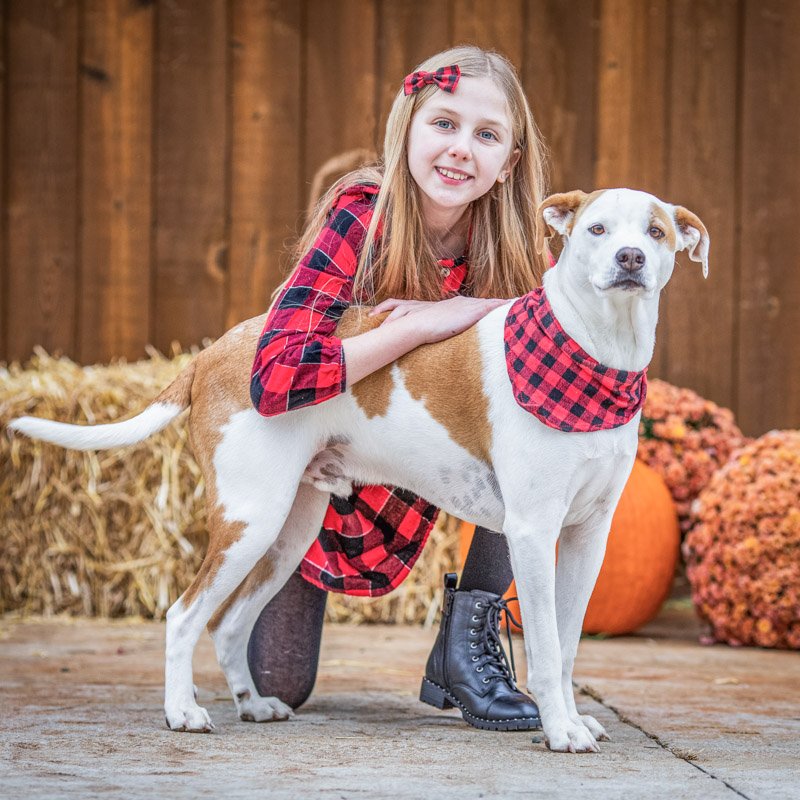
(446, 78)
(557, 381)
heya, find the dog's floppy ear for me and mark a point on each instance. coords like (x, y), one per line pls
(555, 215)
(692, 234)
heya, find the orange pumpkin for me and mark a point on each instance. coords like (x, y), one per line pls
(640, 559)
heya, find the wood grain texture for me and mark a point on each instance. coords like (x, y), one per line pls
(116, 174)
(340, 90)
(191, 129)
(768, 361)
(266, 143)
(42, 176)
(559, 76)
(696, 331)
(408, 34)
(494, 26)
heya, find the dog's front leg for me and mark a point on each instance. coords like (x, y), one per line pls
(580, 555)
(532, 548)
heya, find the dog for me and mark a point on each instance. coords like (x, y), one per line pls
(452, 422)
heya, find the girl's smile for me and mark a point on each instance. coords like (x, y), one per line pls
(459, 145)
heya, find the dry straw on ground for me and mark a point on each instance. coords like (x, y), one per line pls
(122, 532)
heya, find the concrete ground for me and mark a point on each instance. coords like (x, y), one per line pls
(81, 706)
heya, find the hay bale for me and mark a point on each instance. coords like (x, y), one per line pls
(122, 532)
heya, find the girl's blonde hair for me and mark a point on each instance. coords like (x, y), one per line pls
(503, 261)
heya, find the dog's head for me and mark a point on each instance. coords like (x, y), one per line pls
(621, 240)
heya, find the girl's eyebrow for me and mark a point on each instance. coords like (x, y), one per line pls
(453, 113)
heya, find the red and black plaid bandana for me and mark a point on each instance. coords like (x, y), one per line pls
(560, 383)
(446, 78)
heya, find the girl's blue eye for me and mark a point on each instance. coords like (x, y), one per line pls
(443, 123)
(488, 135)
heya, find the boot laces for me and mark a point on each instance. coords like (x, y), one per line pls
(497, 658)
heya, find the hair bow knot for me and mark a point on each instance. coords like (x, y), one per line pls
(446, 78)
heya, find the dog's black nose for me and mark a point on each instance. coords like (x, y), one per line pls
(630, 258)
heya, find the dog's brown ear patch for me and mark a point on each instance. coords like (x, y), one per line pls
(558, 213)
(693, 235)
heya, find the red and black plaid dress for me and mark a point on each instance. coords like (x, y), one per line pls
(370, 540)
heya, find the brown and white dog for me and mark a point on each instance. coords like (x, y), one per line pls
(442, 422)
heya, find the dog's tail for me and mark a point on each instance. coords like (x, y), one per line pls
(161, 411)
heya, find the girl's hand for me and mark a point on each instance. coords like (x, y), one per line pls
(435, 321)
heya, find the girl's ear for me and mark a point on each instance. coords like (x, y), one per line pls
(505, 173)
(556, 214)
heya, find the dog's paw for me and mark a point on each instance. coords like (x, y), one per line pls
(263, 709)
(192, 719)
(571, 739)
(595, 728)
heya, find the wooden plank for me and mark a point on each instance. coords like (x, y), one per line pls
(3, 202)
(116, 134)
(559, 74)
(265, 158)
(632, 101)
(696, 331)
(408, 34)
(494, 26)
(632, 92)
(340, 92)
(769, 289)
(191, 129)
(42, 175)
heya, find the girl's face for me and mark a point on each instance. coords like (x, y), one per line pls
(459, 145)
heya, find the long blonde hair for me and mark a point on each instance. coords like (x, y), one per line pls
(503, 261)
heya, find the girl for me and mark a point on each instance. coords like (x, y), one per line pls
(445, 222)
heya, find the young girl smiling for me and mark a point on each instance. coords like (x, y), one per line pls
(439, 234)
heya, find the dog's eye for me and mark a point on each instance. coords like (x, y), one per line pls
(656, 233)
(597, 230)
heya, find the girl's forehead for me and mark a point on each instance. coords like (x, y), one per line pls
(480, 96)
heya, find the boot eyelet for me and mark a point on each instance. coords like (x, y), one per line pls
(475, 619)
(485, 680)
(473, 645)
(472, 631)
(479, 669)
(474, 658)
(479, 604)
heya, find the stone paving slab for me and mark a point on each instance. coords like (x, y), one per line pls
(81, 701)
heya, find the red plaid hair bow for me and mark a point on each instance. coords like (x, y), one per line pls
(446, 78)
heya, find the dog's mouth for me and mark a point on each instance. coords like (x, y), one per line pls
(627, 285)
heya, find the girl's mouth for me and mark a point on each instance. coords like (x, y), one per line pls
(452, 177)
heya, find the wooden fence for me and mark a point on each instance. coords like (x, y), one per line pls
(156, 156)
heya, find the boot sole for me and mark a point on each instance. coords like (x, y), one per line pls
(438, 697)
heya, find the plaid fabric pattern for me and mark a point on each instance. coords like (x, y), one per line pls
(446, 78)
(370, 540)
(557, 381)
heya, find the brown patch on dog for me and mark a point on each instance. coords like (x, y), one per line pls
(179, 391)
(576, 201)
(663, 220)
(373, 392)
(220, 389)
(258, 576)
(458, 403)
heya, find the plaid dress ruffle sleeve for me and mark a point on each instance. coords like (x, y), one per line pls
(369, 541)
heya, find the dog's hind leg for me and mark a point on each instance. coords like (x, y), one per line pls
(242, 527)
(233, 622)
(580, 555)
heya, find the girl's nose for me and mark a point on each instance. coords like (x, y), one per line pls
(461, 148)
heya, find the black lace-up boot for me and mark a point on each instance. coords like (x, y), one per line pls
(468, 667)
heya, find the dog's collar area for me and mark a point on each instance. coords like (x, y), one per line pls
(557, 381)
